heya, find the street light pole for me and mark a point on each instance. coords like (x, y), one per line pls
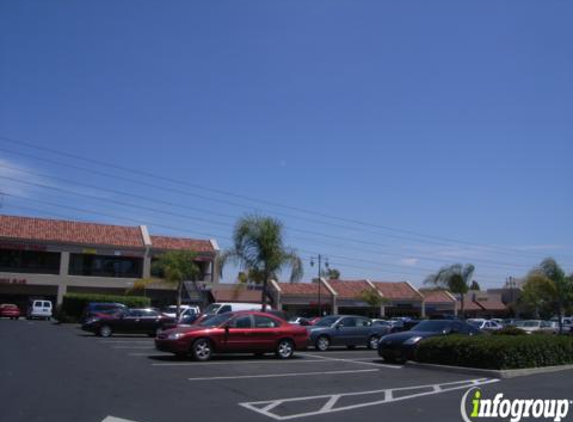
(319, 259)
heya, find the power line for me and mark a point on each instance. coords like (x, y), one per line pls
(257, 200)
(208, 221)
(417, 270)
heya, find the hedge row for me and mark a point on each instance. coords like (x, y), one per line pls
(74, 303)
(497, 352)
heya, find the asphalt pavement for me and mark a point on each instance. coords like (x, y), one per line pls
(57, 373)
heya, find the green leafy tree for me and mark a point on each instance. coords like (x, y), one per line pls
(373, 299)
(475, 286)
(547, 284)
(333, 274)
(258, 248)
(455, 278)
(176, 267)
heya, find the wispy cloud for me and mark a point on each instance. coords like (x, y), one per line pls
(10, 176)
(411, 262)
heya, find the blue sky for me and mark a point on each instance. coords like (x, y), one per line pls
(447, 119)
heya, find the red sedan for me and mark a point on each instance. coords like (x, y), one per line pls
(9, 310)
(234, 332)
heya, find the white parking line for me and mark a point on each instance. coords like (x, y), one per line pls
(327, 403)
(133, 347)
(356, 361)
(237, 362)
(290, 374)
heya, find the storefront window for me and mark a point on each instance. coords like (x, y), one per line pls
(22, 261)
(105, 266)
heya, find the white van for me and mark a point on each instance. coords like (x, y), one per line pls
(222, 307)
(40, 309)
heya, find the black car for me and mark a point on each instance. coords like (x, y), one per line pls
(129, 321)
(95, 308)
(345, 330)
(399, 347)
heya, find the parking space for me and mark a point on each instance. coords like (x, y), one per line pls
(125, 377)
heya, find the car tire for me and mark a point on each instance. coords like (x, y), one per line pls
(202, 349)
(105, 331)
(285, 349)
(322, 343)
(373, 342)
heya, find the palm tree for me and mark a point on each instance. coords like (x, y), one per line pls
(551, 284)
(259, 249)
(455, 278)
(175, 268)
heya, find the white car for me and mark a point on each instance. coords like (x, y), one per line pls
(171, 311)
(484, 324)
(534, 325)
(40, 309)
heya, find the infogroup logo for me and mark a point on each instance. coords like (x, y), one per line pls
(516, 409)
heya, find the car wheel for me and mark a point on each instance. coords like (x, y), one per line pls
(373, 342)
(322, 343)
(105, 331)
(202, 349)
(285, 349)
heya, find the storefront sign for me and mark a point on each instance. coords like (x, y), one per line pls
(13, 281)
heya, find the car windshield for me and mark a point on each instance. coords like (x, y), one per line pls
(432, 326)
(326, 321)
(212, 308)
(215, 321)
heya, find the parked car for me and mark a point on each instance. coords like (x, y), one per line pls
(224, 307)
(299, 321)
(393, 325)
(128, 321)
(96, 308)
(40, 309)
(9, 310)
(484, 324)
(234, 332)
(536, 325)
(346, 330)
(399, 347)
(171, 311)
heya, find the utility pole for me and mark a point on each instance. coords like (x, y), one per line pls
(319, 259)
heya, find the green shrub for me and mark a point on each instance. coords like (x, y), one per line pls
(74, 303)
(496, 352)
(509, 331)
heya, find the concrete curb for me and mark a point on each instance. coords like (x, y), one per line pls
(491, 373)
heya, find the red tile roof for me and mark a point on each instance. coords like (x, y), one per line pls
(349, 289)
(178, 243)
(437, 296)
(61, 231)
(469, 305)
(492, 305)
(400, 290)
(303, 289)
(89, 234)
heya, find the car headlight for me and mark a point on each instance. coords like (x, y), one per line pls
(412, 340)
(175, 336)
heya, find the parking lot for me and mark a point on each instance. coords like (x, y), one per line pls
(58, 373)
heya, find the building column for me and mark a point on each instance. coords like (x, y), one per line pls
(423, 310)
(382, 311)
(63, 276)
(62, 290)
(147, 265)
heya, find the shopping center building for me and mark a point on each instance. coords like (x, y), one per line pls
(46, 258)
